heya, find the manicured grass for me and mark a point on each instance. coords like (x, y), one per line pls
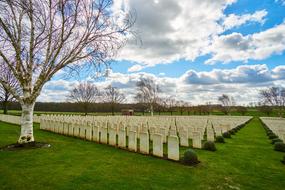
(247, 161)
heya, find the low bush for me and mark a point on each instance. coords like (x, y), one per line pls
(232, 132)
(190, 157)
(220, 139)
(279, 146)
(283, 161)
(226, 135)
(275, 140)
(272, 136)
(209, 145)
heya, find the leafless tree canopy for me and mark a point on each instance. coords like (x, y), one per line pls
(84, 94)
(5, 95)
(227, 102)
(113, 96)
(148, 92)
(40, 37)
(273, 96)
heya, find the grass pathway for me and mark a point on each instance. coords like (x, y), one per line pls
(247, 161)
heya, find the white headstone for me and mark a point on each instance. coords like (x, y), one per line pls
(112, 136)
(210, 135)
(197, 142)
(104, 135)
(184, 138)
(132, 141)
(173, 148)
(89, 131)
(163, 132)
(144, 142)
(157, 144)
(95, 134)
(122, 138)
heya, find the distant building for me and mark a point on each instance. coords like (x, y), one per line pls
(127, 112)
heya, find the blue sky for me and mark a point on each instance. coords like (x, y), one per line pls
(236, 46)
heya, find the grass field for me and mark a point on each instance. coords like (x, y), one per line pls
(247, 161)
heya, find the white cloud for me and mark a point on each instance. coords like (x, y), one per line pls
(258, 46)
(280, 1)
(233, 20)
(243, 83)
(171, 30)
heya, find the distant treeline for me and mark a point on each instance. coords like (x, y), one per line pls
(76, 107)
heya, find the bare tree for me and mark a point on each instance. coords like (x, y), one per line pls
(265, 109)
(227, 103)
(113, 96)
(160, 105)
(171, 104)
(5, 96)
(181, 106)
(84, 94)
(38, 38)
(274, 96)
(148, 93)
(241, 109)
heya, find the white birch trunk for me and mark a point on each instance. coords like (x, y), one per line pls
(27, 123)
(151, 110)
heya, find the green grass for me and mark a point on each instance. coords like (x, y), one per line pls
(247, 161)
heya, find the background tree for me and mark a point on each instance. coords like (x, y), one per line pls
(38, 38)
(147, 93)
(84, 94)
(113, 96)
(274, 96)
(265, 109)
(160, 105)
(227, 103)
(241, 109)
(171, 104)
(5, 96)
(181, 106)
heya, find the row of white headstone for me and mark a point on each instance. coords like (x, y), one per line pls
(17, 119)
(276, 124)
(10, 119)
(115, 135)
(140, 131)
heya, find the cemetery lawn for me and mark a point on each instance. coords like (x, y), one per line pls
(247, 161)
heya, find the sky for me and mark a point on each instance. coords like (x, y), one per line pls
(196, 50)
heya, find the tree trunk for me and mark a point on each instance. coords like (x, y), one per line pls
(27, 123)
(5, 107)
(112, 108)
(151, 110)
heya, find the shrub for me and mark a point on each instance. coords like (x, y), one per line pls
(279, 146)
(209, 145)
(190, 157)
(220, 139)
(275, 140)
(272, 136)
(283, 161)
(226, 135)
(232, 132)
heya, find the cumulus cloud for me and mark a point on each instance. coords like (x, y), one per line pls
(280, 1)
(171, 30)
(258, 46)
(233, 20)
(243, 83)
